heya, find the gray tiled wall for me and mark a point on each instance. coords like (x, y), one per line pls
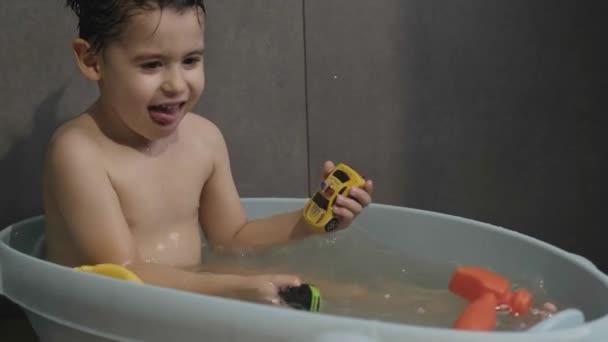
(492, 110)
(255, 92)
(39, 87)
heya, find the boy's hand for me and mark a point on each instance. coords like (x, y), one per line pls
(264, 289)
(346, 209)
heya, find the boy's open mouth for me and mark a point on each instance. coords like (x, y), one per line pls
(165, 114)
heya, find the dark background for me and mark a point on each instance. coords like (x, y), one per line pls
(491, 110)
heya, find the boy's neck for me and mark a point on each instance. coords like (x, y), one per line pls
(116, 130)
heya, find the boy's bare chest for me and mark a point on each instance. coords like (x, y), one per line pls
(161, 191)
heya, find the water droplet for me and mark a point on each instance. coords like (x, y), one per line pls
(503, 308)
(174, 236)
(420, 310)
(245, 252)
(387, 296)
(335, 77)
(328, 242)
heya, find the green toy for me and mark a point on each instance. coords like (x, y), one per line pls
(304, 297)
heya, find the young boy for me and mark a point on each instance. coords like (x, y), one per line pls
(132, 180)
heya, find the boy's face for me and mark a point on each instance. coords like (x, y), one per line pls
(153, 75)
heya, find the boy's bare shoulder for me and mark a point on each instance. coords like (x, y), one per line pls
(76, 139)
(203, 129)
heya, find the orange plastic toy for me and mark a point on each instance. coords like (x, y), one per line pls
(485, 291)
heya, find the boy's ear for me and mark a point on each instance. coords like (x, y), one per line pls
(88, 61)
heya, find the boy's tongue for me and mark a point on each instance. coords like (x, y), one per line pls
(164, 114)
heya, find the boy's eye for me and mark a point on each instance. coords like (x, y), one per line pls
(151, 65)
(191, 60)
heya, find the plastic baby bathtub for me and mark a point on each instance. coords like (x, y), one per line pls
(64, 305)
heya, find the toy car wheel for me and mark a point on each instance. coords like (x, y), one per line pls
(331, 225)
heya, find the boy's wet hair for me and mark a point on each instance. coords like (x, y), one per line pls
(102, 21)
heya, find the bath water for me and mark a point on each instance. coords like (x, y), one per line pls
(360, 277)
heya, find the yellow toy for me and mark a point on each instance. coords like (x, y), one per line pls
(111, 270)
(319, 209)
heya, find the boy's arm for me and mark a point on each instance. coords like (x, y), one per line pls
(225, 222)
(223, 217)
(90, 208)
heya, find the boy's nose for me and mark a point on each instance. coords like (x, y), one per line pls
(174, 83)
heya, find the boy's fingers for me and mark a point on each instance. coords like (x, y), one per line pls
(269, 289)
(327, 168)
(350, 204)
(268, 293)
(344, 215)
(369, 187)
(361, 196)
(281, 281)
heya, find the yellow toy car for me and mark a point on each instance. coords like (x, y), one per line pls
(318, 212)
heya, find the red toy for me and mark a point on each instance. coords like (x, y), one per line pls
(485, 291)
